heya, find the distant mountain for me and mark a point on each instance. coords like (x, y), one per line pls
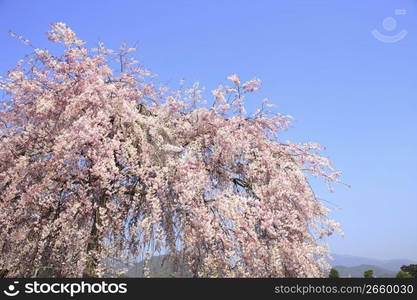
(395, 264)
(352, 261)
(347, 265)
(357, 271)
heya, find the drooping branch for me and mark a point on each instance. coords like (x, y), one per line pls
(99, 164)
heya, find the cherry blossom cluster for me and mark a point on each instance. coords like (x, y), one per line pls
(100, 167)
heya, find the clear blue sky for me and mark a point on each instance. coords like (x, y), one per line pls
(318, 61)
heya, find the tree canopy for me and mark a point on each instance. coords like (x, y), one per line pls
(368, 274)
(410, 269)
(333, 273)
(402, 274)
(99, 163)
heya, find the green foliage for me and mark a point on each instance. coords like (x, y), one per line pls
(334, 273)
(403, 274)
(410, 269)
(368, 274)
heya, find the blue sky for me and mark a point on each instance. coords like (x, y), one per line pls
(318, 61)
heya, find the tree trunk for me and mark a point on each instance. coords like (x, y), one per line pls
(93, 246)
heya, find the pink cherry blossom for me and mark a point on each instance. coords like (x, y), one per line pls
(100, 167)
